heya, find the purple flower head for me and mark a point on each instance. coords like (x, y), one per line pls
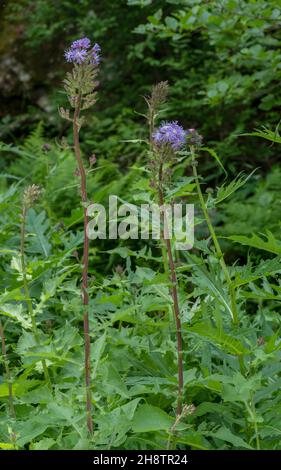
(170, 133)
(95, 59)
(83, 43)
(77, 56)
(80, 52)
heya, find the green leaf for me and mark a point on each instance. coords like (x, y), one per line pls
(97, 351)
(227, 190)
(226, 435)
(20, 387)
(150, 418)
(44, 444)
(219, 338)
(15, 312)
(38, 225)
(6, 446)
(215, 156)
(267, 134)
(269, 244)
(208, 281)
(193, 440)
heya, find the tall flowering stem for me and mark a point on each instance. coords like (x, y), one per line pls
(80, 87)
(8, 373)
(163, 143)
(85, 295)
(174, 293)
(231, 288)
(30, 196)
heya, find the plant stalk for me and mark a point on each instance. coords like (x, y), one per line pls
(231, 288)
(174, 293)
(84, 287)
(8, 374)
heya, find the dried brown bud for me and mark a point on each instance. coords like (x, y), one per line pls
(46, 147)
(76, 255)
(92, 159)
(119, 270)
(261, 341)
(31, 194)
(159, 94)
(188, 409)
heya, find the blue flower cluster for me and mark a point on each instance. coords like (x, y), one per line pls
(170, 133)
(81, 50)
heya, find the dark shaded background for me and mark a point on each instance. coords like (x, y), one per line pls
(222, 59)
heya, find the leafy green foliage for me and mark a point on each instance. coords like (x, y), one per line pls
(223, 61)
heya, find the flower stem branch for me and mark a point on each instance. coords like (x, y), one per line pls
(174, 292)
(85, 295)
(231, 288)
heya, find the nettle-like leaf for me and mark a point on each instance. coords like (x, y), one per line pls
(227, 190)
(248, 273)
(209, 282)
(37, 226)
(218, 337)
(266, 134)
(267, 243)
(16, 313)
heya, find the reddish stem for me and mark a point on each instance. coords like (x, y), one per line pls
(84, 287)
(174, 294)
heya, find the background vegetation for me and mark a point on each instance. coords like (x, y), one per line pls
(223, 62)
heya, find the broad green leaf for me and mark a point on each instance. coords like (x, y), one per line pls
(226, 435)
(192, 439)
(37, 224)
(219, 338)
(20, 387)
(150, 418)
(15, 312)
(43, 444)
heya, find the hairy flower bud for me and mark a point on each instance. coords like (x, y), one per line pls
(31, 194)
(194, 138)
(92, 159)
(46, 147)
(159, 94)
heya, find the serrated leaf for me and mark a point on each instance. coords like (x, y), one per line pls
(37, 224)
(268, 243)
(227, 190)
(219, 338)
